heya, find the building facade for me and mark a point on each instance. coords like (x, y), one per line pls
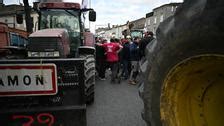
(159, 14)
(138, 24)
(116, 30)
(8, 15)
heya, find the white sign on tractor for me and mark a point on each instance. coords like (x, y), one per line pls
(28, 79)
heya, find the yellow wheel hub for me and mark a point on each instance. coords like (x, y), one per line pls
(193, 93)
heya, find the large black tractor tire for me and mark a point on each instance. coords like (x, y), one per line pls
(89, 78)
(184, 83)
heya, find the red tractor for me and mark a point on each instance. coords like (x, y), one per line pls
(12, 42)
(52, 85)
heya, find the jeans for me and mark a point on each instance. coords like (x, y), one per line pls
(101, 68)
(135, 69)
(126, 68)
(114, 69)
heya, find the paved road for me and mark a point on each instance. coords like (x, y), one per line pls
(115, 105)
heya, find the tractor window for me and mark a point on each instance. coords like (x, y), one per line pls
(67, 19)
(136, 34)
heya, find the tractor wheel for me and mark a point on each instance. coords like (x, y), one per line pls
(89, 78)
(184, 83)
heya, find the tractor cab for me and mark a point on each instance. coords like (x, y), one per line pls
(68, 16)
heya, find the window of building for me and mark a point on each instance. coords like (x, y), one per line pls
(155, 20)
(154, 30)
(24, 23)
(172, 8)
(149, 22)
(161, 18)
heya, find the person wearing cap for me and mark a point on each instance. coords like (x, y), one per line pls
(128, 37)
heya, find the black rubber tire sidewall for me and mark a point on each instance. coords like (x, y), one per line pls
(202, 33)
(89, 73)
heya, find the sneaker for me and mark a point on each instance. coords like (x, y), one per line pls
(102, 78)
(132, 82)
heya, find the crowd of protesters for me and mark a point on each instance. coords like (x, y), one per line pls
(121, 57)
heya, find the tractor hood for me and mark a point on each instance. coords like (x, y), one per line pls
(50, 33)
(49, 41)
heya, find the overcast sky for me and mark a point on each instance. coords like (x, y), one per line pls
(120, 11)
(117, 11)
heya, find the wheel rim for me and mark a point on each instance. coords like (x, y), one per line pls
(193, 93)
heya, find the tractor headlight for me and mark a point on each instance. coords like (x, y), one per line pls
(44, 54)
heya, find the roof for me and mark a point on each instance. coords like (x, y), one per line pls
(59, 5)
(170, 4)
(13, 9)
(137, 20)
(58, 32)
(3, 24)
(139, 23)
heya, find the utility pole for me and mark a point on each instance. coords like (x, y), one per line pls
(89, 7)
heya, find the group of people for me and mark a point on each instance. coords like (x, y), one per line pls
(121, 57)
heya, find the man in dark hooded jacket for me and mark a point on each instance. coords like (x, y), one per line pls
(144, 42)
(125, 56)
(101, 60)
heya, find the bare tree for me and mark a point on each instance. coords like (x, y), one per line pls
(29, 24)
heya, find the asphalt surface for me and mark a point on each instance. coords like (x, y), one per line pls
(115, 105)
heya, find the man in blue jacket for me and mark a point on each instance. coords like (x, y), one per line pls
(134, 57)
